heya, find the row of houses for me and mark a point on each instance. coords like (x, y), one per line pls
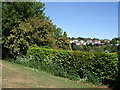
(93, 42)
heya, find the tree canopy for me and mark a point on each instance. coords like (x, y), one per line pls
(31, 32)
(15, 12)
(25, 25)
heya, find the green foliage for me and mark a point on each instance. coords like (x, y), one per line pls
(24, 24)
(48, 47)
(57, 32)
(63, 42)
(90, 77)
(101, 65)
(91, 48)
(106, 65)
(116, 84)
(15, 12)
(52, 68)
(31, 32)
(77, 48)
(114, 41)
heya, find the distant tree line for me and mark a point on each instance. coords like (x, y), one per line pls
(109, 47)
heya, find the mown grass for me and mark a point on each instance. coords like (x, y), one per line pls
(19, 76)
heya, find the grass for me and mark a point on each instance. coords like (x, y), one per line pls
(19, 76)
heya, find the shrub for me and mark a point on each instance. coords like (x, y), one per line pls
(91, 78)
(52, 68)
(102, 65)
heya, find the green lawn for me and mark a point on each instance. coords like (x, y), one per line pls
(18, 76)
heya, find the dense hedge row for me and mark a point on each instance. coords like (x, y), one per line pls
(102, 65)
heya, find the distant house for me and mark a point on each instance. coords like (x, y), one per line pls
(84, 43)
(81, 42)
(77, 43)
(73, 41)
(107, 41)
(97, 42)
(89, 41)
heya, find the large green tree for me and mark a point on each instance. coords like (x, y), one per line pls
(31, 32)
(24, 24)
(15, 12)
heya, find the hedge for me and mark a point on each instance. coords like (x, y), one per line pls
(102, 65)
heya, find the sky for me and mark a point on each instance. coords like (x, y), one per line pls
(85, 19)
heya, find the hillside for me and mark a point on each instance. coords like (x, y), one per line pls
(18, 76)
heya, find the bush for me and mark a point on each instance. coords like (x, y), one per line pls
(91, 78)
(102, 65)
(52, 68)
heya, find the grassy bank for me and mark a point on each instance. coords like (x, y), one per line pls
(18, 76)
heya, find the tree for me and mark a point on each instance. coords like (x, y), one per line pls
(57, 32)
(95, 39)
(80, 38)
(25, 24)
(113, 41)
(73, 38)
(15, 12)
(63, 42)
(31, 32)
(66, 42)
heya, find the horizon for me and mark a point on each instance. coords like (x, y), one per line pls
(96, 38)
